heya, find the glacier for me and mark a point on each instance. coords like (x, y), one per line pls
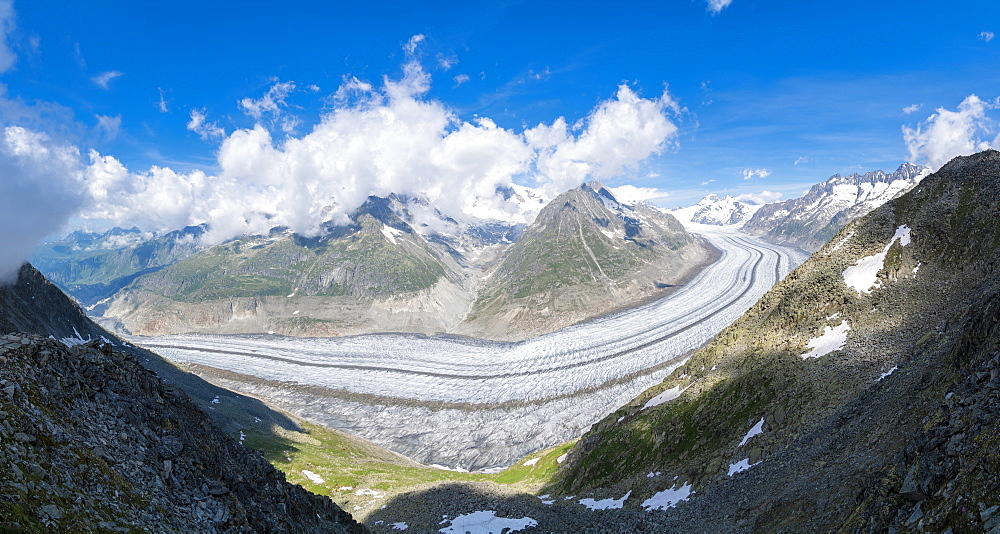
(473, 404)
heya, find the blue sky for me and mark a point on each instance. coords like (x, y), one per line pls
(755, 95)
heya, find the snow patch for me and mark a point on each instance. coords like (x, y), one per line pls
(863, 275)
(316, 479)
(371, 493)
(740, 466)
(446, 468)
(562, 458)
(532, 461)
(391, 233)
(666, 396)
(486, 522)
(668, 498)
(74, 341)
(887, 373)
(400, 526)
(757, 429)
(833, 339)
(606, 504)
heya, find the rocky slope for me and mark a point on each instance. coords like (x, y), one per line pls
(585, 254)
(810, 221)
(90, 440)
(780, 423)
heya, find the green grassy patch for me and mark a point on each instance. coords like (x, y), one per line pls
(349, 465)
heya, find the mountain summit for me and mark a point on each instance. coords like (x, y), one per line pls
(810, 221)
(585, 253)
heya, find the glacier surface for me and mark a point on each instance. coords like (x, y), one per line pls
(472, 404)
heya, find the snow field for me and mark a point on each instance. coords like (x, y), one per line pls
(740, 466)
(666, 396)
(756, 430)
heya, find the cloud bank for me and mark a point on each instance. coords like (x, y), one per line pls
(947, 134)
(375, 140)
(39, 191)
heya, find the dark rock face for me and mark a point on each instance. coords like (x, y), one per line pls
(33, 304)
(91, 440)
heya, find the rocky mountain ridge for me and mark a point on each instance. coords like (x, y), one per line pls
(795, 395)
(810, 221)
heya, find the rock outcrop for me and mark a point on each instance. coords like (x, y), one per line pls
(92, 441)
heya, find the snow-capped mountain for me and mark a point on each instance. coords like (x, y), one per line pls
(812, 220)
(724, 211)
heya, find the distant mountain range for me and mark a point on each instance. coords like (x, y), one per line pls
(812, 220)
(399, 265)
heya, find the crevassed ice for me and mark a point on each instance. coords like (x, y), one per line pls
(524, 396)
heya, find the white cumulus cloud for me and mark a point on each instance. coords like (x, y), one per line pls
(749, 173)
(39, 191)
(911, 108)
(376, 140)
(947, 134)
(986, 36)
(272, 105)
(764, 197)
